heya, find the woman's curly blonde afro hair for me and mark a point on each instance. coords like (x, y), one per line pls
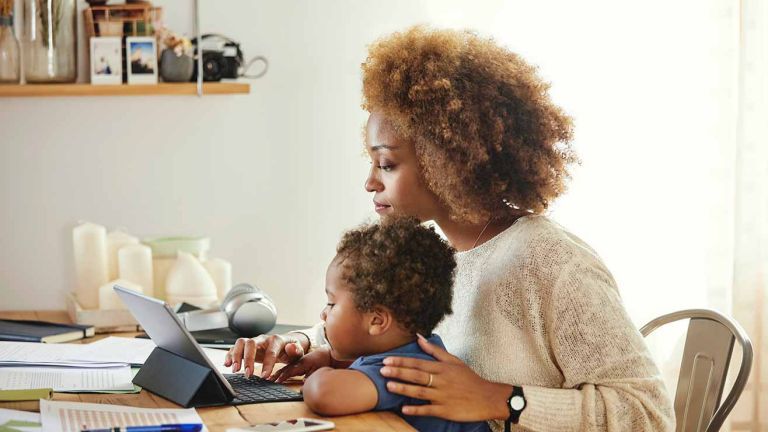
(480, 118)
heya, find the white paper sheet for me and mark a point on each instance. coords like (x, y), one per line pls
(108, 352)
(117, 349)
(61, 416)
(66, 379)
(135, 351)
(32, 351)
(217, 356)
(21, 420)
(9, 414)
(19, 354)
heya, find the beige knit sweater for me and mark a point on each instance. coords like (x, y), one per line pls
(536, 307)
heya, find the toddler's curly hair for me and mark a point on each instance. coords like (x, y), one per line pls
(403, 266)
(480, 119)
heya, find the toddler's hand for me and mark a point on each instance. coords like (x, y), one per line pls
(306, 365)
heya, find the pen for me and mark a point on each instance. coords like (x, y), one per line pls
(183, 427)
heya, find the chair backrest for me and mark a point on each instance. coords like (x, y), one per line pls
(706, 357)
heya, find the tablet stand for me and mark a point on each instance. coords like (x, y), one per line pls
(183, 381)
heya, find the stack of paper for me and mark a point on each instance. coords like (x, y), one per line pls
(27, 365)
(31, 353)
(66, 379)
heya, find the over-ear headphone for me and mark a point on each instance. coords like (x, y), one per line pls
(246, 310)
(250, 311)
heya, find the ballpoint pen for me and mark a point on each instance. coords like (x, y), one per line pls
(182, 427)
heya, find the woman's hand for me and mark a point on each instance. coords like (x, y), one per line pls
(267, 350)
(455, 391)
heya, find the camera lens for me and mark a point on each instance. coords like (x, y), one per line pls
(212, 67)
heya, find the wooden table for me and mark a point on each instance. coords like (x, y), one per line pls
(217, 419)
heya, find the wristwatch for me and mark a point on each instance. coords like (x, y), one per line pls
(516, 404)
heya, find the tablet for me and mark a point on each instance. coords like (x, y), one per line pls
(166, 330)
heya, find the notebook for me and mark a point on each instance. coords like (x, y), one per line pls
(88, 330)
(41, 331)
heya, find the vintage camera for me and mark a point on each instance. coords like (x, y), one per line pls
(222, 57)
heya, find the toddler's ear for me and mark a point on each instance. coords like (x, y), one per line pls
(380, 320)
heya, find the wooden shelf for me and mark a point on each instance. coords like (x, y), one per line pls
(161, 89)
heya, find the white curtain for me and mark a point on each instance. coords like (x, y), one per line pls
(750, 295)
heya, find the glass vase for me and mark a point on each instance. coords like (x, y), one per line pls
(10, 57)
(50, 41)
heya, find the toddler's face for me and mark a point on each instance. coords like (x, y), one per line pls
(345, 328)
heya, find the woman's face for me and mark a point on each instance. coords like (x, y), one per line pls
(395, 177)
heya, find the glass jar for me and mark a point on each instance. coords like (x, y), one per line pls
(10, 59)
(50, 41)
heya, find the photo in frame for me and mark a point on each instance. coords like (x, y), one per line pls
(141, 59)
(106, 61)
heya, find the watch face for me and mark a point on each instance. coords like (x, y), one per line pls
(517, 403)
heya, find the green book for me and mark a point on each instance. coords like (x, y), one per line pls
(25, 395)
(41, 331)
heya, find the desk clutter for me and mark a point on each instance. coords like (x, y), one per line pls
(65, 368)
(174, 269)
(19, 410)
(105, 366)
(77, 416)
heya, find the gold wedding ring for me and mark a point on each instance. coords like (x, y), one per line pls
(429, 384)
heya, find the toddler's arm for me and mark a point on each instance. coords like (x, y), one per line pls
(333, 392)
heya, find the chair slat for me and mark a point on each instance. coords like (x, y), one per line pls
(703, 369)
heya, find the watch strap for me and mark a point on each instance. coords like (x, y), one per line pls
(514, 415)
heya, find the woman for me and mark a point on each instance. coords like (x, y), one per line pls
(462, 132)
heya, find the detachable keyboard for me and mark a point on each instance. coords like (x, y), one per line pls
(258, 390)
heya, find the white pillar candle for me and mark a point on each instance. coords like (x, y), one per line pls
(221, 273)
(135, 265)
(160, 268)
(108, 299)
(90, 250)
(116, 240)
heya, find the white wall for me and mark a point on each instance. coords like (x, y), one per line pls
(274, 177)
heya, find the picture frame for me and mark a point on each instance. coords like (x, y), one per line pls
(141, 59)
(106, 61)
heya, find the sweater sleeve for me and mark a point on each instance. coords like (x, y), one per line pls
(611, 382)
(315, 335)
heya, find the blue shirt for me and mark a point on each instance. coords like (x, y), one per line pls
(371, 367)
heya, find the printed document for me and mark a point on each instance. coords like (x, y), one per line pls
(62, 416)
(65, 379)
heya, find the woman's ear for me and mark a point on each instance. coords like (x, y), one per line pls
(379, 321)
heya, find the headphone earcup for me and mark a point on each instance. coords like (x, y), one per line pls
(250, 312)
(236, 291)
(253, 319)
